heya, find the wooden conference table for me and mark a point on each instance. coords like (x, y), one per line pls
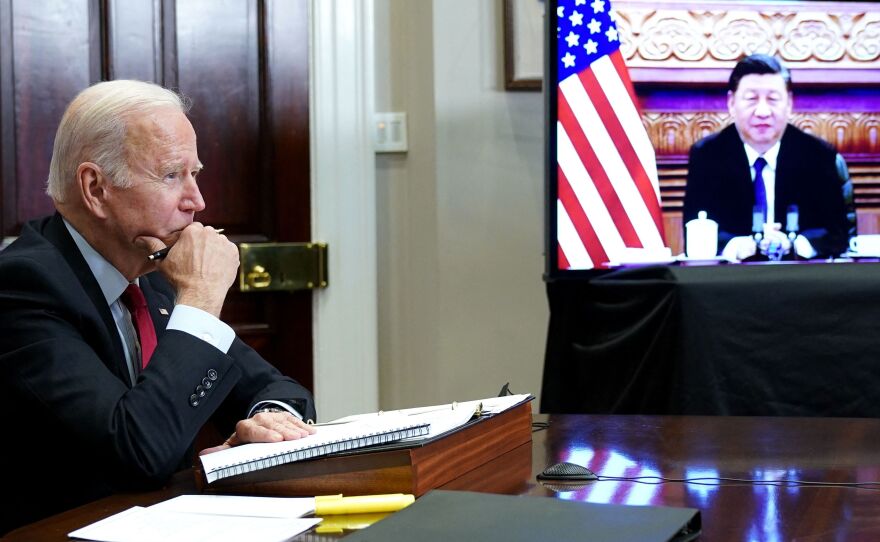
(832, 450)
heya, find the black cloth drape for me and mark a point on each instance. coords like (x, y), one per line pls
(796, 340)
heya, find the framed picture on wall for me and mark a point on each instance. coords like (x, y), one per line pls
(523, 44)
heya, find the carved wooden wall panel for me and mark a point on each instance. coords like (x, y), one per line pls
(660, 38)
(853, 134)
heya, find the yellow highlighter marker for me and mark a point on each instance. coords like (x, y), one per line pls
(348, 522)
(363, 504)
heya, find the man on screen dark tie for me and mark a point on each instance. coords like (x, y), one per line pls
(798, 170)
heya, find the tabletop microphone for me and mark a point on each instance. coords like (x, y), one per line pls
(757, 223)
(791, 220)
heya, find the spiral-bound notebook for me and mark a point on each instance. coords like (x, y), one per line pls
(327, 439)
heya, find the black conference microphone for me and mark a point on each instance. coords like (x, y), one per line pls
(757, 224)
(792, 219)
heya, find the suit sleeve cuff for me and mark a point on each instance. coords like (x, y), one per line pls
(271, 403)
(202, 325)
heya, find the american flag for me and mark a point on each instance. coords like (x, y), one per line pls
(608, 195)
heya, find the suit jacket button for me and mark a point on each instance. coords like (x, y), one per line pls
(194, 400)
(212, 375)
(200, 391)
(207, 383)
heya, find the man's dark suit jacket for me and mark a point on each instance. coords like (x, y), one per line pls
(74, 428)
(720, 183)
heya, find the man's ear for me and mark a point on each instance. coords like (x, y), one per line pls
(730, 100)
(92, 185)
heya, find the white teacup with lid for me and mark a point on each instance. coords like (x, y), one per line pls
(701, 237)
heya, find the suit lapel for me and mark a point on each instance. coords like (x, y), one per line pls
(740, 173)
(784, 176)
(56, 233)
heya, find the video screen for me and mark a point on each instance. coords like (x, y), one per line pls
(711, 136)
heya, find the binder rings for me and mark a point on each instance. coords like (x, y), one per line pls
(326, 440)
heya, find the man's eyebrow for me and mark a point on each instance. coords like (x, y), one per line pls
(179, 165)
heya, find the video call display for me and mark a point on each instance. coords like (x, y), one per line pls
(758, 189)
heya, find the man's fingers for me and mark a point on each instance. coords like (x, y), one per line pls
(214, 449)
(272, 427)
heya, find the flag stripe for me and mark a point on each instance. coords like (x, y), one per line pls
(623, 144)
(617, 87)
(580, 221)
(597, 173)
(610, 160)
(560, 255)
(613, 82)
(623, 75)
(587, 196)
(570, 241)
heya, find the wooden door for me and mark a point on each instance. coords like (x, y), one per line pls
(244, 64)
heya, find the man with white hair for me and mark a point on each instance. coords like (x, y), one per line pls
(111, 361)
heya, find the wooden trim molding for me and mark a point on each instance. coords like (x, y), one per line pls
(344, 206)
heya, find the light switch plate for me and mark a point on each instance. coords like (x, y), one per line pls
(389, 134)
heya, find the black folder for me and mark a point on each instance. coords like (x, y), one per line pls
(444, 516)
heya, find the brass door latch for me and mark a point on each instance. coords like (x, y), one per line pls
(282, 266)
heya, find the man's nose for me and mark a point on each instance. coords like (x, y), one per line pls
(762, 109)
(192, 200)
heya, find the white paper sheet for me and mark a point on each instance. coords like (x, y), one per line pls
(208, 518)
(444, 418)
(234, 505)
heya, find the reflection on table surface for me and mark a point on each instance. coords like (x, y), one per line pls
(770, 451)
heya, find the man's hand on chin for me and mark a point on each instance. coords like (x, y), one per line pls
(201, 267)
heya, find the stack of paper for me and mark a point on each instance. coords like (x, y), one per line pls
(214, 518)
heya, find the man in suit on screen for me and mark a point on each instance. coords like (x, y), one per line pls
(762, 165)
(111, 362)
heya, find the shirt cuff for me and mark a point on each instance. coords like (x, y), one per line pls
(202, 325)
(279, 404)
(803, 247)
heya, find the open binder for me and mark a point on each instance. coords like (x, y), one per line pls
(407, 466)
(327, 440)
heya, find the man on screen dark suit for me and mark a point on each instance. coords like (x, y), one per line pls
(797, 169)
(86, 410)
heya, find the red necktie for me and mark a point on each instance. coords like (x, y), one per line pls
(134, 300)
